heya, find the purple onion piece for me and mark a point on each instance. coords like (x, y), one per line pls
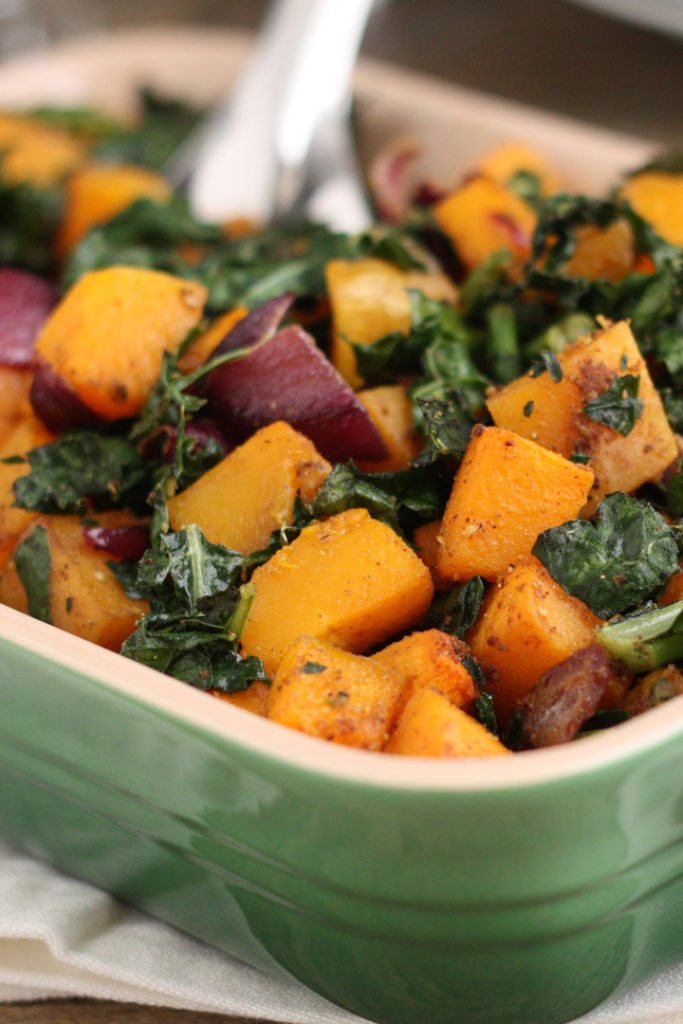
(128, 542)
(26, 302)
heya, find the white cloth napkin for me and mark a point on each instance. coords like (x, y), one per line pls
(60, 937)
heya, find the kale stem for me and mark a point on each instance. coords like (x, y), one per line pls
(646, 641)
(503, 343)
(238, 619)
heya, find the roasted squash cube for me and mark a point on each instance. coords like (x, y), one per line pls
(326, 692)
(528, 623)
(507, 490)
(430, 726)
(433, 658)
(551, 413)
(349, 580)
(251, 492)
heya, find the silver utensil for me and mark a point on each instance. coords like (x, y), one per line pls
(280, 146)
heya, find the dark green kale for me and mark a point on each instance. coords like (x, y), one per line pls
(647, 639)
(619, 406)
(433, 326)
(146, 234)
(90, 124)
(547, 361)
(402, 499)
(445, 427)
(198, 608)
(34, 565)
(159, 130)
(29, 221)
(80, 467)
(457, 610)
(615, 563)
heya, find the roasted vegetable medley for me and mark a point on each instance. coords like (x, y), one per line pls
(418, 490)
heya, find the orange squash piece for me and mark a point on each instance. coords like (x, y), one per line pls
(528, 623)
(85, 597)
(327, 692)
(202, 347)
(391, 411)
(107, 336)
(349, 580)
(98, 192)
(254, 698)
(430, 657)
(658, 198)
(368, 299)
(36, 153)
(251, 492)
(28, 433)
(430, 726)
(608, 253)
(507, 490)
(427, 540)
(506, 160)
(482, 217)
(14, 404)
(551, 413)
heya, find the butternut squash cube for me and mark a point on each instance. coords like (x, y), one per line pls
(369, 298)
(507, 159)
(254, 699)
(98, 192)
(430, 726)
(36, 153)
(603, 253)
(528, 624)
(433, 658)
(552, 413)
(14, 404)
(391, 411)
(427, 540)
(251, 492)
(658, 198)
(326, 692)
(85, 597)
(507, 490)
(349, 580)
(482, 217)
(107, 336)
(28, 433)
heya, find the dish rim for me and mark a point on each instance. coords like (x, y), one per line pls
(218, 718)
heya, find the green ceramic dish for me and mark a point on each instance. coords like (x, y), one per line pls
(520, 890)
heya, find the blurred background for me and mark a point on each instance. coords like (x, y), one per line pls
(556, 54)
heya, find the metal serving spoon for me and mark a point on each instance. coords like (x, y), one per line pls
(279, 147)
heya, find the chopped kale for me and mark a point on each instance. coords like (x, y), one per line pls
(619, 406)
(674, 489)
(29, 221)
(197, 612)
(82, 466)
(457, 610)
(401, 499)
(159, 130)
(547, 361)
(34, 564)
(615, 563)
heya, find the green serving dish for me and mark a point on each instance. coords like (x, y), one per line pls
(521, 890)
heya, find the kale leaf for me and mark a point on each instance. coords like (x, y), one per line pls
(30, 217)
(197, 612)
(159, 130)
(401, 499)
(34, 564)
(619, 406)
(457, 609)
(615, 563)
(79, 467)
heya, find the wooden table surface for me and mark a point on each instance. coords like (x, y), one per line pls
(570, 59)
